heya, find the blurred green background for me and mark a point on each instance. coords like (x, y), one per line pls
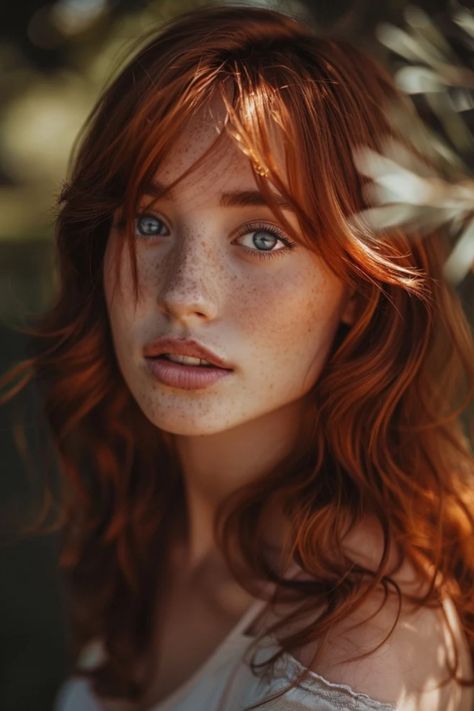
(54, 59)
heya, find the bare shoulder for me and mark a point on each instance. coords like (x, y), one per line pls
(408, 669)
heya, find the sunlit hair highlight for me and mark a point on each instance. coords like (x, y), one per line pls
(387, 440)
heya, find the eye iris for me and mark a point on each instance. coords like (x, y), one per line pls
(261, 239)
(149, 225)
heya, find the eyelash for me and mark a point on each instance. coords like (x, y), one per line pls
(245, 229)
(270, 229)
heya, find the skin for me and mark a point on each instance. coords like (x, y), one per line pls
(273, 319)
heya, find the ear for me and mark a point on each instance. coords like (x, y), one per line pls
(348, 312)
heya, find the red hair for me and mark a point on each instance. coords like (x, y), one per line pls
(387, 440)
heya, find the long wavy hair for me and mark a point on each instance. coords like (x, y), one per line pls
(387, 439)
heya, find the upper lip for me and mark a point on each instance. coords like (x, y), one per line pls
(184, 346)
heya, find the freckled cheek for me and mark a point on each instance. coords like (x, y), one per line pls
(148, 272)
(274, 307)
(289, 318)
(148, 275)
(124, 313)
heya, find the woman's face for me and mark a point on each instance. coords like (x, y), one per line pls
(212, 267)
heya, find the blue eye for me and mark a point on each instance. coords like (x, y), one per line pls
(264, 238)
(150, 225)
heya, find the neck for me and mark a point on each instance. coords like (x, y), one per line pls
(215, 466)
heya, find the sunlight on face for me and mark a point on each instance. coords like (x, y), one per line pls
(219, 271)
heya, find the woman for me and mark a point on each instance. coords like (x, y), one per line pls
(266, 483)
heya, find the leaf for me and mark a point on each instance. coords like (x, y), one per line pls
(406, 46)
(427, 33)
(453, 124)
(418, 80)
(465, 20)
(461, 259)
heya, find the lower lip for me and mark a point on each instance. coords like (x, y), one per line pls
(187, 377)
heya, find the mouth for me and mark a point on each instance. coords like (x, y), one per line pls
(184, 362)
(187, 351)
(185, 376)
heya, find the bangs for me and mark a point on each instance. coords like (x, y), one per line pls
(254, 113)
(295, 118)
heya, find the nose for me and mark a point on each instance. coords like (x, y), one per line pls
(188, 281)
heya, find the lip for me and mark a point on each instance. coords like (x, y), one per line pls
(186, 377)
(186, 347)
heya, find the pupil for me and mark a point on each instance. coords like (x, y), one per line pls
(263, 238)
(149, 225)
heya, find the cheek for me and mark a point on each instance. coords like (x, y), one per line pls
(118, 292)
(292, 309)
(290, 324)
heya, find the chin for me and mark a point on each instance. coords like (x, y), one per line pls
(183, 423)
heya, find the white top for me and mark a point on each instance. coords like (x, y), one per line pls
(225, 682)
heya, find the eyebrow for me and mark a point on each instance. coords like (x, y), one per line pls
(235, 198)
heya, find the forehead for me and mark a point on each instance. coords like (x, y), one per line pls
(215, 162)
